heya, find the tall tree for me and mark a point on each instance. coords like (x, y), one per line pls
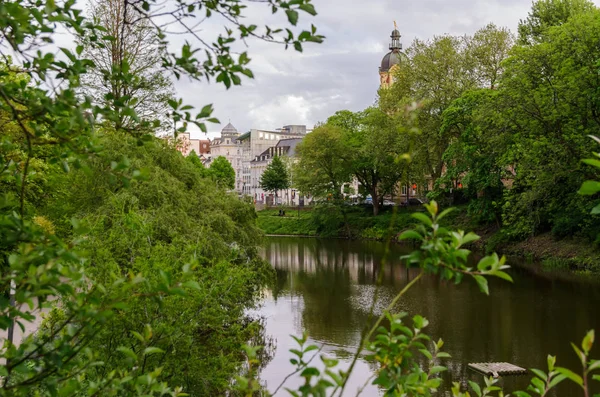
(275, 177)
(547, 13)
(373, 150)
(486, 51)
(549, 103)
(222, 172)
(434, 74)
(323, 165)
(128, 59)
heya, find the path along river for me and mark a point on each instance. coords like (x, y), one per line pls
(325, 287)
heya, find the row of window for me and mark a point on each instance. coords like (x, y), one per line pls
(268, 136)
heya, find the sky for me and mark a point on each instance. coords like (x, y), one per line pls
(341, 73)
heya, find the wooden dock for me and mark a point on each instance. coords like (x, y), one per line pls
(497, 369)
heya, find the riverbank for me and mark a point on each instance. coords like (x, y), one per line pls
(358, 223)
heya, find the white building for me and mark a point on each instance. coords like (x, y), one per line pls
(242, 150)
(254, 143)
(285, 148)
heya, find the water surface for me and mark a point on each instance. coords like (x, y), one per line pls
(325, 287)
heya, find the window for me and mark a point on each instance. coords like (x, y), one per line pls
(404, 190)
(261, 135)
(228, 141)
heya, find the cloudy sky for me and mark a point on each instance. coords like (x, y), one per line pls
(342, 73)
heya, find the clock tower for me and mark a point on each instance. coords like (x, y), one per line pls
(390, 60)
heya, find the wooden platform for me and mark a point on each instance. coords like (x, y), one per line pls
(497, 369)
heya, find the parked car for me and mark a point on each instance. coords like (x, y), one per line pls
(388, 203)
(413, 201)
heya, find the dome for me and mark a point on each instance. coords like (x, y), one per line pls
(395, 34)
(229, 130)
(390, 59)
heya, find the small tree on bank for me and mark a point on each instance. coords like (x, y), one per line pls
(275, 177)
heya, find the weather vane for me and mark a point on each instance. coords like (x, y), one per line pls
(395, 26)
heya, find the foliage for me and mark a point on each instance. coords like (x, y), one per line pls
(275, 177)
(545, 14)
(322, 168)
(548, 105)
(374, 151)
(222, 172)
(144, 267)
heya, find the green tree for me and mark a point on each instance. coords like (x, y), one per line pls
(548, 105)
(323, 165)
(275, 177)
(434, 74)
(373, 150)
(547, 13)
(486, 51)
(222, 172)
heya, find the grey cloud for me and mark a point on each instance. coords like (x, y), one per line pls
(342, 73)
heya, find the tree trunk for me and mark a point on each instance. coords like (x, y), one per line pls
(375, 200)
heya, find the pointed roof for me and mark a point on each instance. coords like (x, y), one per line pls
(229, 130)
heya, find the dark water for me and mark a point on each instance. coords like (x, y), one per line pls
(325, 287)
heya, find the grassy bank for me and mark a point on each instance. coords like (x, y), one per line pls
(359, 223)
(349, 222)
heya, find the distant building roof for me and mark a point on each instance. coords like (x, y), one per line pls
(291, 143)
(284, 146)
(244, 136)
(229, 130)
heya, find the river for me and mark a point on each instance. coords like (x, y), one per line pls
(325, 287)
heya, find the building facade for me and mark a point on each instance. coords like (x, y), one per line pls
(285, 148)
(256, 142)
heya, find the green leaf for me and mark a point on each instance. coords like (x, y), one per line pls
(437, 369)
(410, 234)
(192, 284)
(570, 375)
(128, 352)
(588, 341)
(152, 350)
(475, 387)
(470, 237)
(589, 187)
(502, 275)
(310, 371)
(421, 217)
(556, 380)
(521, 394)
(445, 212)
(592, 162)
(486, 262)
(539, 374)
(292, 16)
(309, 8)
(483, 284)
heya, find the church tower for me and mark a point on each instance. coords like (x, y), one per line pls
(390, 60)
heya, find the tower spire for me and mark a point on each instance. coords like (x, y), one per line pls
(395, 44)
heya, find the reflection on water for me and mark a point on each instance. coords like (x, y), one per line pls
(326, 287)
